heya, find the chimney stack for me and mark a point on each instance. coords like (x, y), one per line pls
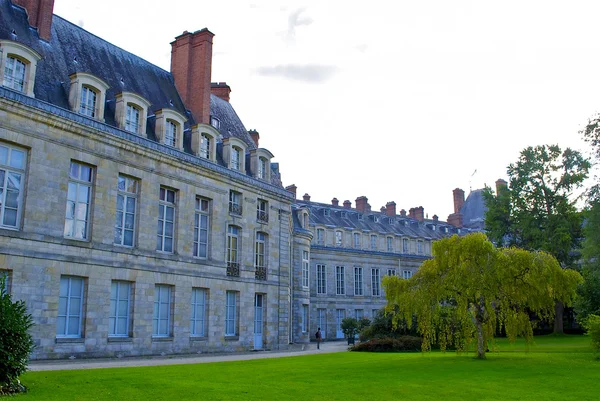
(221, 90)
(306, 197)
(347, 204)
(435, 218)
(191, 63)
(459, 199)
(411, 212)
(500, 186)
(419, 213)
(335, 202)
(361, 204)
(390, 209)
(39, 15)
(403, 213)
(455, 219)
(255, 136)
(382, 209)
(292, 188)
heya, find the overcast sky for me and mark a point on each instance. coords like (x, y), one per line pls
(393, 100)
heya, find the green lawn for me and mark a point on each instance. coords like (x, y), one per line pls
(557, 368)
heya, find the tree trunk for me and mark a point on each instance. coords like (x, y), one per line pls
(559, 310)
(480, 342)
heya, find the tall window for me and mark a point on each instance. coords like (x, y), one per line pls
(233, 267)
(320, 236)
(420, 247)
(14, 74)
(391, 272)
(87, 106)
(305, 262)
(405, 245)
(171, 133)
(406, 274)
(12, 173)
(120, 309)
(166, 220)
(304, 318)
(339, 236)
(205, 146)
(321, 279)
(70, 307)
(359, 313)
(127, 190)
(201, 227)
(375, 283)
(231, 313)
(235, 202)
(79, 199)
(259, 260)
(132, 119)
(373, 242)
(5, 274)
(262, 168)
(390, 244)
(161, 319)
(358, 281)
(340, 315)
(215, 122)
(356, 237)
(262, 211)
(235, 158)
(198, 318)
(340, 286)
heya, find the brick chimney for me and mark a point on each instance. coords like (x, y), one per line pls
(191, 63)
(455, 219)
(403, 213)
(500, 186)
(459, 199)
(220, 89)
(361, 204)
(382, 209)
(411, 212)
(335, 202)
(255, 136)
(419, 213)
(347, 204)
(39, 15)
(292, 188)
(306, 197)
(390, 209)
(435, 218)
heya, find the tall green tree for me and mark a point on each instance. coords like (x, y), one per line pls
(537, 211)
(470, 288)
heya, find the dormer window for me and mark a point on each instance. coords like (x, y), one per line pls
(17, 66)
(131, 111)
(214, 121)
(262, 168)
(169, 128)
(86, 95)
(260, 164)
(234, 153)
(204, 141)
(235, 158)
(205, 146)
(326, 212)
(132, 118)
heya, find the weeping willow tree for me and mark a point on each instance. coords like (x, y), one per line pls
(471, 288)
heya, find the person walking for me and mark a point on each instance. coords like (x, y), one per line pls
(319, 337)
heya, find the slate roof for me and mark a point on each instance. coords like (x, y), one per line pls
(73, 49)
(473, 211)
(375, 222)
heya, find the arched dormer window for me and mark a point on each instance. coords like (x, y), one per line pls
(169, 128)
(234, 153)
(260, 164)
(204, 141)
(131, 112)
(18, 64)
(87, 94)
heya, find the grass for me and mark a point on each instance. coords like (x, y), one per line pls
(557, 368)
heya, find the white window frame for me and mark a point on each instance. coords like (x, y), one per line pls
(235, 202)
(126, 217)
(374, 242)
(120, 294)
(405, 245)
(262, 168)
(162, 306)
(231, 319)
(390, 244)
(321, 279)
(15, 77)
(340, 285)
(305, 269)
(391, 272)
(420, 247)
(358, 281)
(305, 318)
(339, 238)
(67, 298)
(12, 169)
(320, 236)
(406, 274)
(171, 133)
(262, 211)
(233, 244)
(198, 321)
(202, 225)
(356, 240)
(27, 56)
(78, 181)
(132, 118)
(260, 250)
(375, 282)
(165, 204)
(236, 158)
(88, 101)
(205, 144)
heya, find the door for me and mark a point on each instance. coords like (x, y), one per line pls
(258, 321)
(340, 315)
(322, 322)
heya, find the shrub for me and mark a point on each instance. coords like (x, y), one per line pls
(592, 326)
(400, 344)
(349, 326)
(382, 327)
(16, 343)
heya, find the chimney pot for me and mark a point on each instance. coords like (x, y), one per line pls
(435, 218)
(255, 136)
(362, 204)
(347, 204)
(306, 197)
(390, 209)
(221, 90)
(335, 202)
(403, 213)
(500, 186)
(459, 199)
(292, 188)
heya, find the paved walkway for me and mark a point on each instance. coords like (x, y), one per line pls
(326, 347)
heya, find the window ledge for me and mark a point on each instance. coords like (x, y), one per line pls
(232, 338)
(198, 338)
(120, 339)
(161, 339)
(68, 340)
